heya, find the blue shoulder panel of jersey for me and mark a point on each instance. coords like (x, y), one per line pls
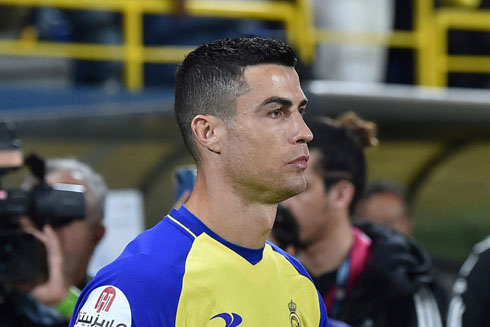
(299, 267)
(302, 270)
(149, 273)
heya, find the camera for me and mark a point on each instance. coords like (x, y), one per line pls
(22, 256)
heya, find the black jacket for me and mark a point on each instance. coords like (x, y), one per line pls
(470, 303)
(397, 288)
(21, 310)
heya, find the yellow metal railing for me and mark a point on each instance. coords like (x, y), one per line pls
(295, 15)
(416, 39)
(445, 63)
(428, 37)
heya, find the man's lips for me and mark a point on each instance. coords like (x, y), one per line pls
(300, 162)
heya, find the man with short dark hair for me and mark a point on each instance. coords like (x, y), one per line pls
(239, 105)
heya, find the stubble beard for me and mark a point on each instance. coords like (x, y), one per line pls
(267, 190)
(284, 192)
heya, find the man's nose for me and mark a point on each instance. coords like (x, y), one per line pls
(302, 133)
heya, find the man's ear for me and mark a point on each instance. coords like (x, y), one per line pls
(343, 193)
(207, 130)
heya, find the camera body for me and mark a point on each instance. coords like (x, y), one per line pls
(22, 257)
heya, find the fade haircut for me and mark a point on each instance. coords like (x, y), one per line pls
(211, 78)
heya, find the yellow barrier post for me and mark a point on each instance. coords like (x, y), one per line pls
(304, 38)
(133, 37)
(423, 26)
(440, 47)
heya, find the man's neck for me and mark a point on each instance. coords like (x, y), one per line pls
(227, 214)
(327, 254)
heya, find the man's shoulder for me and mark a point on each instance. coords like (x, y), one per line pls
(393, 249)
(292, 260)
(397, 263)
(159, 251)
(483, 247)
(478, 262)
(130, 288)
(166, 244)
(399, 275)
(148, 273)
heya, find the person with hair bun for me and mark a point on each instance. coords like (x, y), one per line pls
(367, 274)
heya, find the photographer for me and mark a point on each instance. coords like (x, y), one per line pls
(48, 233)
(70, 245)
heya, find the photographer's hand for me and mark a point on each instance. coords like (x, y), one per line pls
(56, 288)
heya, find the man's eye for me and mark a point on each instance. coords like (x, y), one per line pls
(302, 111)
(276, 113)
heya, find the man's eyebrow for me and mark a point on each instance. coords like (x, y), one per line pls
(282, 101)
(279, 100)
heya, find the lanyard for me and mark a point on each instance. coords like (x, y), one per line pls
(340, 287)
(348, 272)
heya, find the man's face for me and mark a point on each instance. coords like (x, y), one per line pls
(265, 151)
(388, 209)
(311, 207)
(77, 239)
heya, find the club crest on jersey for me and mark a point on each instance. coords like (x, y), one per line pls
(293, 317)
(231, 319)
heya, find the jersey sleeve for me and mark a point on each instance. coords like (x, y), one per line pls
(129, 295)
(323, 312)
(105, 305)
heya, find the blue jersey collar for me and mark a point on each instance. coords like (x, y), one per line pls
(189, 220)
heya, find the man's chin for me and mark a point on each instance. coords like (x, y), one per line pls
(299, 188)
(294, 190)
(278, 193)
